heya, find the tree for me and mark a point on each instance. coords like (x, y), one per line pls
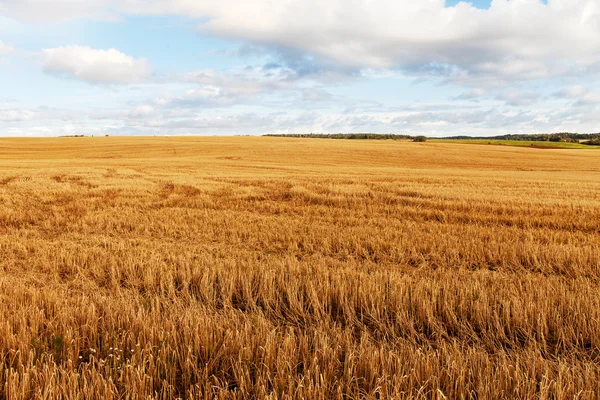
(420, 139)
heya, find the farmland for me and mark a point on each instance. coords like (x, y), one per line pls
(521, 143)
(258, 267)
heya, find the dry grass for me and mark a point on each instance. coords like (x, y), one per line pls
(290, 268)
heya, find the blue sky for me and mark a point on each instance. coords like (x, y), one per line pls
(483, 4)
(181, 67)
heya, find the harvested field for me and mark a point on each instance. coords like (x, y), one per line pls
(253, 267)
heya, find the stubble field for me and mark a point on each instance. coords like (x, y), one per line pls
(237, 268)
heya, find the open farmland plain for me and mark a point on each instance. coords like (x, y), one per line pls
(520, 143)
(281, 268)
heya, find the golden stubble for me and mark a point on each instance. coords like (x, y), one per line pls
(279, 268)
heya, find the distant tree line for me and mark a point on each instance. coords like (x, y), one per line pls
(362, 136)
(583, 138)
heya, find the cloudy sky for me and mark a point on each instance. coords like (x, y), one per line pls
(205, 67)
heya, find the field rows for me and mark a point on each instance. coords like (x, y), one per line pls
(255, 267)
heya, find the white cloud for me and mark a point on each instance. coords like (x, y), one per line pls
(219, 89)
(142, 111)
(473, 94)
(516, 39)
(5, 48)
(16, 115)
(309, 45)
(589, 98)
(315, 95)
(248, 81)
(572, 92)
(512, 40)
(57, 10)
(433, 120)
(580, 93)
(479, 122)
(95, 66)
(518, 98)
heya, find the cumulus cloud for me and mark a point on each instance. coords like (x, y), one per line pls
(572, 92)
(483, 121)
(209, 96)
(212, 88)
(518, 98)
(306, 46)
(517, 39)
(5, 48)
(580, 93)
(57, 10)
(248, 81)
(473, 94)
(589, 98)
(15, 115)
(142, 111)
(95, 66)
(315, 95)
(512, 40)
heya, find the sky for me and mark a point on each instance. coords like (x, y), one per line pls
(232, 67)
